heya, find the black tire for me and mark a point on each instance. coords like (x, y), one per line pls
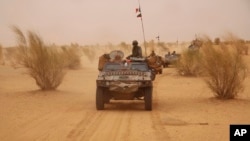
(106, 97)
(148, 98)
(99, 98)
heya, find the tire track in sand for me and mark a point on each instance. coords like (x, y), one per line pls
(103, 125)
(91, 118)
(47, 126)
(158, 125)
(112, 124)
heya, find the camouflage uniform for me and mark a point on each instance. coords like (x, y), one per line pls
(136, 51)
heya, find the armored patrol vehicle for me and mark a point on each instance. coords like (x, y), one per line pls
(124, 80)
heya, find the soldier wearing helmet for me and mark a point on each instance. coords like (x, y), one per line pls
(136, 50)
(152, 53)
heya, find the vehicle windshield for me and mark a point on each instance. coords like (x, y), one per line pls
(131, 66)
(113, 66)
(139, 66)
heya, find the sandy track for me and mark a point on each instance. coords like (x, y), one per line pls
(180, 111)
(120, 120)
(65, 115)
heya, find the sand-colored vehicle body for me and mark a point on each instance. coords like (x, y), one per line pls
(124, 80)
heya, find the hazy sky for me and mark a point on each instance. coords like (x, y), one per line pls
(103, 21)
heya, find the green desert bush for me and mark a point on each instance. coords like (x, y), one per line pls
(43, 63)
(225, 69)
(189, 63)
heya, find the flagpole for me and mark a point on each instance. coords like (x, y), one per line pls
(142, 29)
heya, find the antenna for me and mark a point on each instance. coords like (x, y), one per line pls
(142, 28)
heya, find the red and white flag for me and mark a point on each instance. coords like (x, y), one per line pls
(138, 12)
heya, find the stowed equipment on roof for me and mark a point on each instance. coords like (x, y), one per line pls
(115, 56)
(154, 61)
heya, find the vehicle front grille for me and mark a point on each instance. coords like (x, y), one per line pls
(124, 73)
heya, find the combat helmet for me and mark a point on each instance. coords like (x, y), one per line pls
(135, 43)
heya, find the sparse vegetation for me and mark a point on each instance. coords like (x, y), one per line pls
(225, 69)
(221, 64)
(189, 63)
(162, 47)
(43, 63)
(125, 47)
(10, 56)
(217, 41)
(239, 44)
(1, 55)
(90, 53)
(71, 57)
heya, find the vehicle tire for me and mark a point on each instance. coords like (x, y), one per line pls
(99, 98)
(106, 97)
(148, 98)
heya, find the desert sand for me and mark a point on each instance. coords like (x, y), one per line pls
(184, 109)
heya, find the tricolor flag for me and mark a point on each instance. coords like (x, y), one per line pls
(138, 12)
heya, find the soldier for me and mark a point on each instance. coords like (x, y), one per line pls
(136, 50)
(152, 53)
(173, 53)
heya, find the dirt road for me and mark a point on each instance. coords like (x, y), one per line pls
(180, 111)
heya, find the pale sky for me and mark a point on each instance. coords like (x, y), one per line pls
(103, 21)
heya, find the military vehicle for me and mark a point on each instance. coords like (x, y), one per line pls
(171, 59)
(124, 80)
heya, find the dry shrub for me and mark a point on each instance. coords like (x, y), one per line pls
(163, 49)
(189, 63)
(1, 55)
(126, 48)
(72, 57)
(43, 63)
(225, 69)
(89, 53)
(10, 57)
(10, 53)
(217, 41)
(239, 44)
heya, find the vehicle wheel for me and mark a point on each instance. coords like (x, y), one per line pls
(106, 97)
(99, 98)
(148, 98)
